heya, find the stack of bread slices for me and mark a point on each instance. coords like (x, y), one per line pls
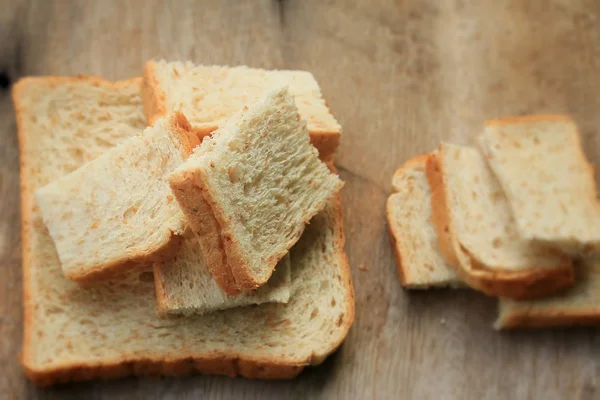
(515, 216)
(154, 209)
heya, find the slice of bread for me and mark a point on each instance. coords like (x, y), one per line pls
(111, 330)
(414, 238)
(249, 190)
(117, 212)
(554, 201)
(209, 95)
(185, 285)
(471, 212)
(578, 306)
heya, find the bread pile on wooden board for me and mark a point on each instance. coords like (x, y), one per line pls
(165, 224)
(516, 216)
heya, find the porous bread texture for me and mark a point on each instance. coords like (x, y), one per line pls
(249, 190)
(185, 286)
(116, 212)
(476, 229)
(580, 305)
(209, 95)
(414, 239)
(111, 329)
(548, 181)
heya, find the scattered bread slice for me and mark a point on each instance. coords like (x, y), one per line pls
(185, 286)
(549, 184)
(249, 190)
(209, 95)
(471, 212)
(117, 212)
(419, 261)
(578, 306)
(111, 329)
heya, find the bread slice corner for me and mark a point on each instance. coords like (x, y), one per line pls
(475, 228)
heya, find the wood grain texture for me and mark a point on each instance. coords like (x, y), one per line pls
(400, 76)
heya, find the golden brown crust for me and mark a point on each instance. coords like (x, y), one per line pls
(395, 239)
(217, 364)
(519, 285)
(547, 319)
(221, 364)
(153, 97)
(438, 210)
(180, 126)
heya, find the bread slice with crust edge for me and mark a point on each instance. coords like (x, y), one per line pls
(425, 267)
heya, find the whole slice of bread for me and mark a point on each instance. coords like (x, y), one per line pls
(117, 212)
(185, 286)
(209, 95)
(580, 305)
(471, 212)
(554, 201)
(249, 190)
(111, 329)
(414, 238)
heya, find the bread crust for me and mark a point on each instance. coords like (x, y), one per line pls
(547, 319)
(153, 97)
(519, 285)
(438, 210)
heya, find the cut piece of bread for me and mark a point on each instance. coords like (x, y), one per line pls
(548, 181)
(580, 305)
(414, 238)
(209, 95)
(117, 211)
(111, 330)
(249, 190)
(185, 286)
(473, 216)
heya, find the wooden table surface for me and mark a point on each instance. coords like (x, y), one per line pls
(400, 76)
